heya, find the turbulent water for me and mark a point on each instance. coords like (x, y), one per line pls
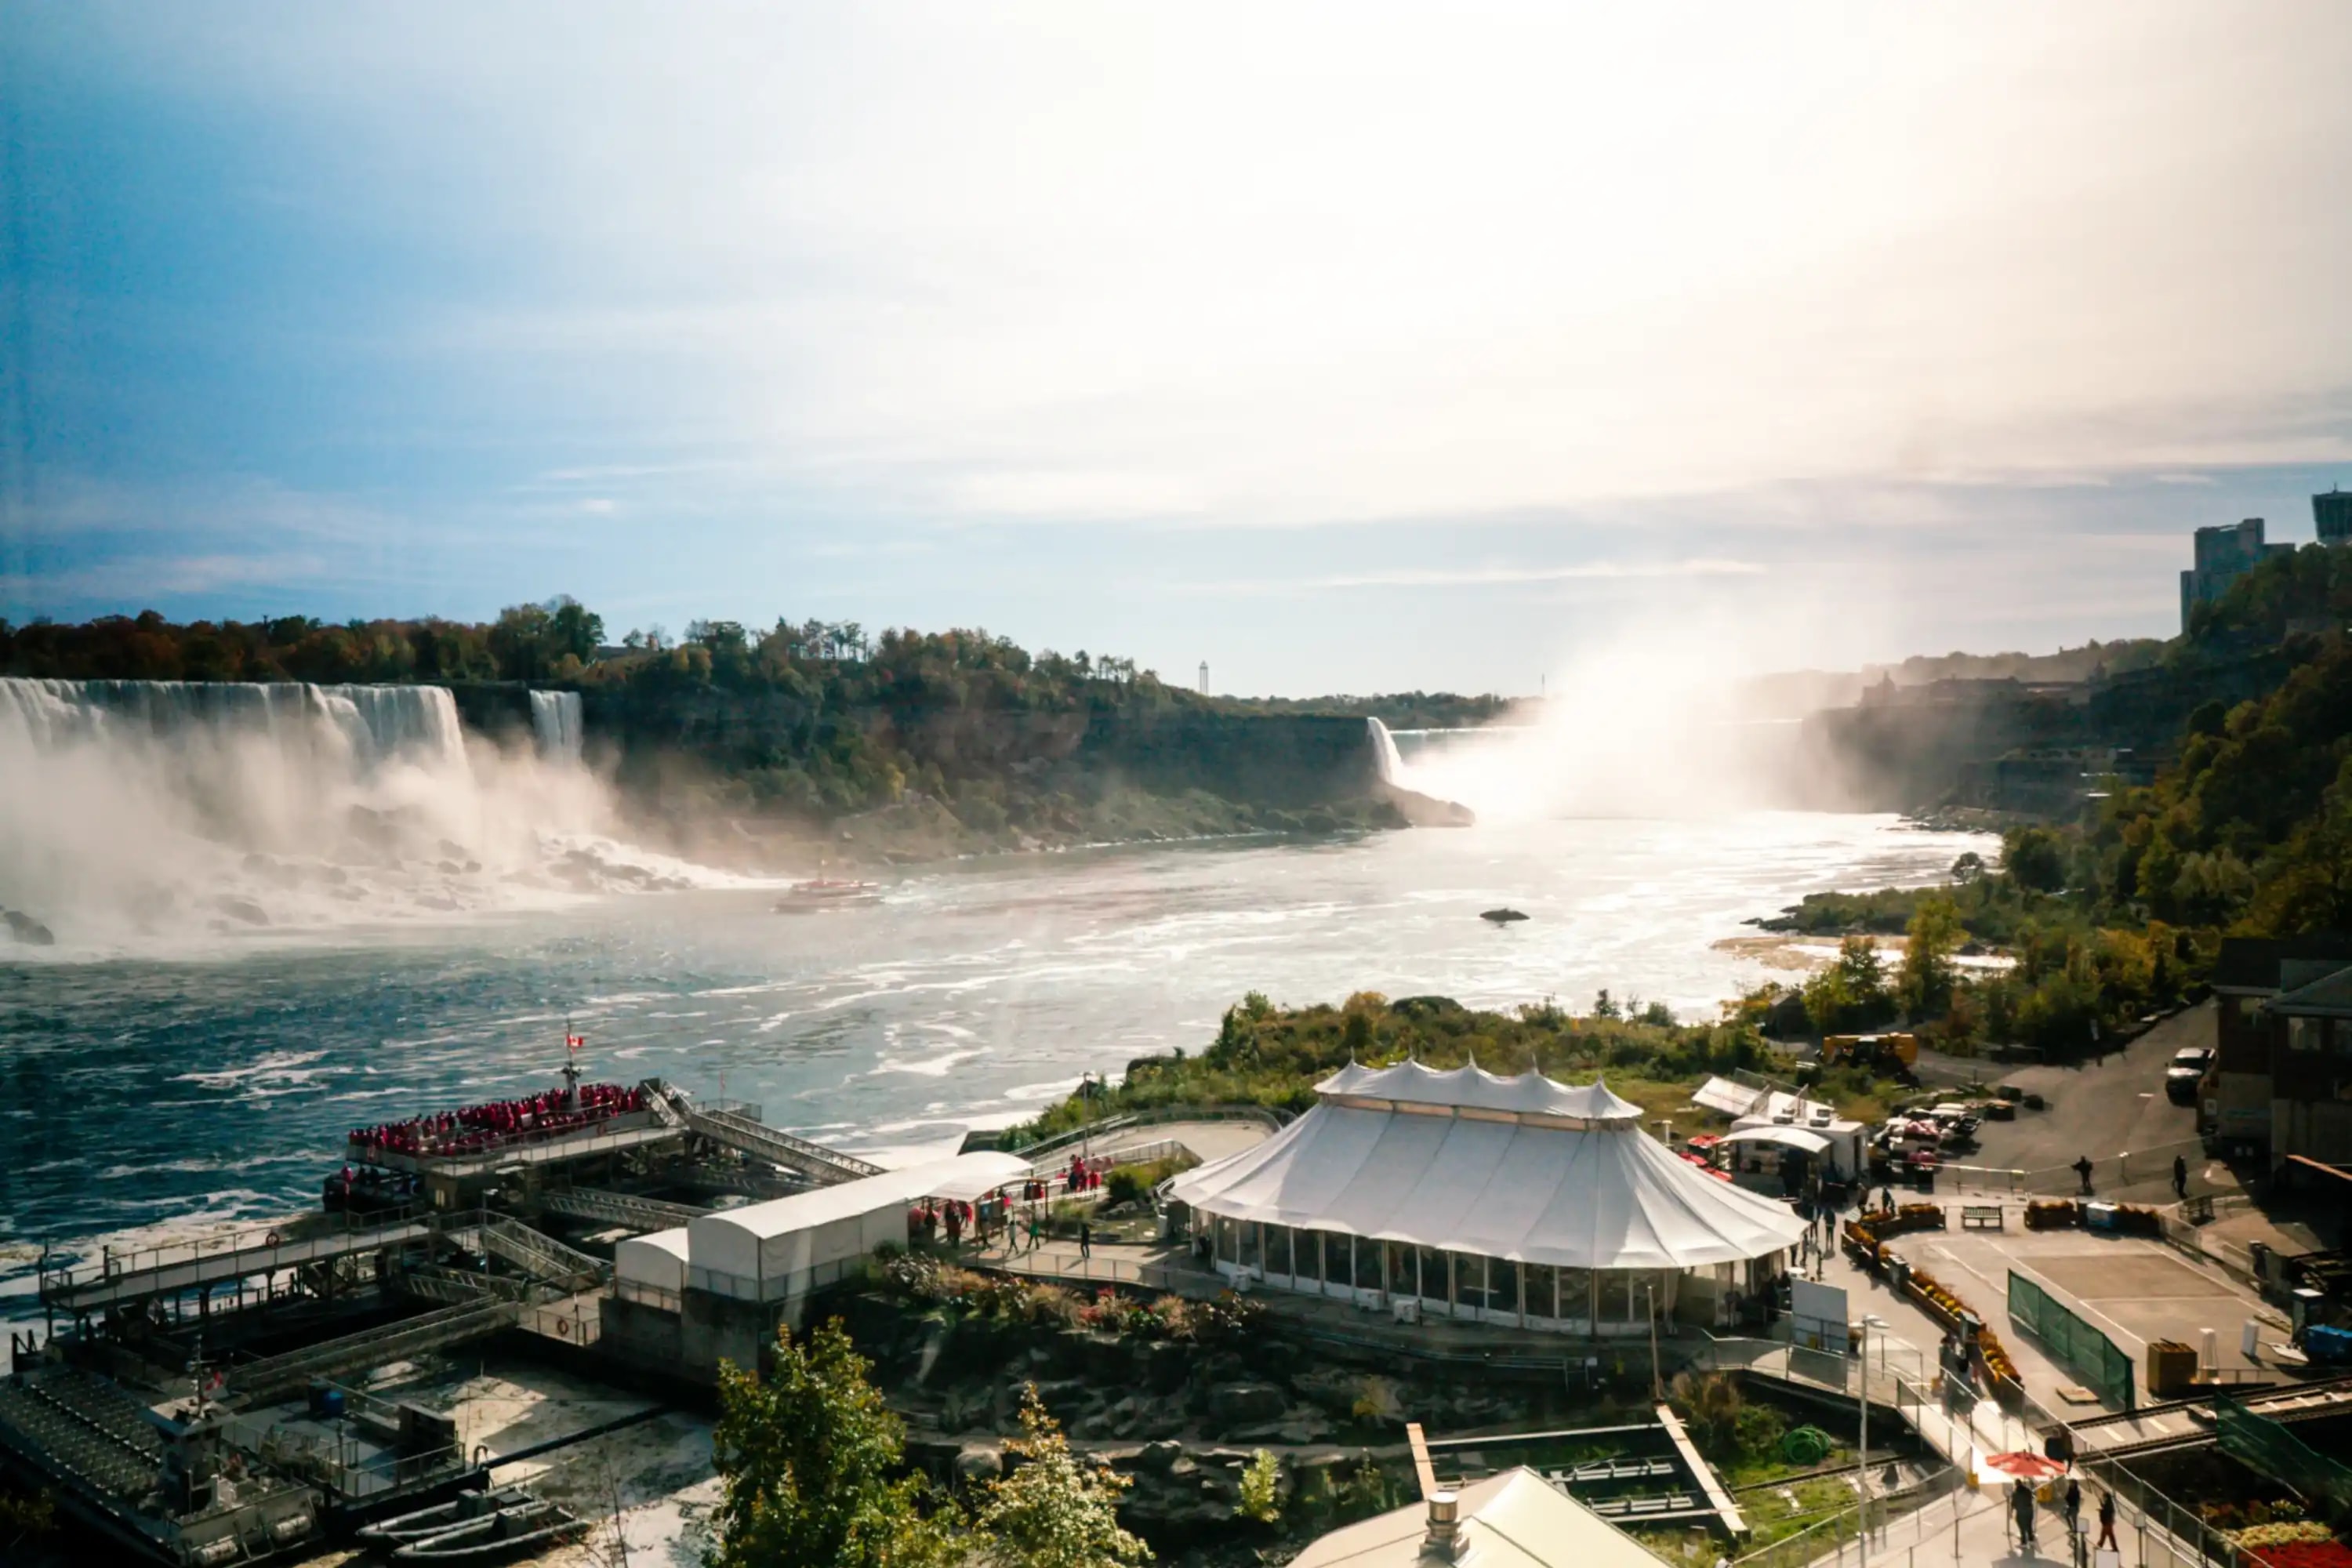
(147, 1095)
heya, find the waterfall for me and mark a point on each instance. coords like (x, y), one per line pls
(372, 725)
(145, 814)
(1386, 762)
(555, 721)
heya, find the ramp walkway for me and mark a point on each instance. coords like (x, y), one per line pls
(825, 1166)
(217, 1259)
(262, 1380)
(541, 1257)
(622, 1209)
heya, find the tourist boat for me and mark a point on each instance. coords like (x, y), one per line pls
(459, 1512)
(510, 1532)
(826, 892)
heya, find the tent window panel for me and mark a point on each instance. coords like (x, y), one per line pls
(1502, 1285)
(1229, 1240)
(1433, 1275)
(1277, 1249)
(1368, 1263)
(1616, 1301)
(1249, 1245)
(1399, 1262)
(1306, 1259)
(1469, 1279)
(1576, 1295)
(1542, 1281)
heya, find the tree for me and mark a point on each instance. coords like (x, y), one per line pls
(1970, 867)
(1924, 988)
(808, 1462)
(1056, 1511)
(2035, 857)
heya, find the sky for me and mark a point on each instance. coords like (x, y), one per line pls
(1346, 348)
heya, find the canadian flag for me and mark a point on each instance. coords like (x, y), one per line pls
(575, 1041)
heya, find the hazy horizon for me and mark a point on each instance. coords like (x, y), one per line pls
(1345, 349)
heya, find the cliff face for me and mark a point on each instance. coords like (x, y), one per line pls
(1290, 761)
(1924, 748)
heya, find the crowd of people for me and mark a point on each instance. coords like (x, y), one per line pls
(369, 1188)
(488, 1125)
(983, 1221)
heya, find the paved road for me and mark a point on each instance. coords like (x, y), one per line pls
(2106, 1108)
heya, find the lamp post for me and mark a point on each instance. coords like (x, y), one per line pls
(1650, 1298)
(1862, 1471)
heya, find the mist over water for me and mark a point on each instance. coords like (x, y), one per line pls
(1651, 728)
(163, 816)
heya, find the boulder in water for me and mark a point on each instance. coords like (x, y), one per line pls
(1502, 917)
(28, 931)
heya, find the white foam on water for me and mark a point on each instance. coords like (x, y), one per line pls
(180, 819)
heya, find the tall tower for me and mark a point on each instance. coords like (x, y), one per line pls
(2332, 513)
(1205, 677)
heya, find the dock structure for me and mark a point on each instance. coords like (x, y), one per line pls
(126, 1278)
(430, 1237)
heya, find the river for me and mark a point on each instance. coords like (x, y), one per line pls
(146, 1096)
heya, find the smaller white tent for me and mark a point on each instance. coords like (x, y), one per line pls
(652, 1264)
(777, 1250)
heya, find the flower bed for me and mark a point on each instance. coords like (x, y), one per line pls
(1946, 1309)
(2328, 1554)
(1866, 1233)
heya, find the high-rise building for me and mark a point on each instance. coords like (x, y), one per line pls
(2224, 554)
(2332, 513)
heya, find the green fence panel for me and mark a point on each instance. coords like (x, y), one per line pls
(2074, 1344)
(2263, 1445)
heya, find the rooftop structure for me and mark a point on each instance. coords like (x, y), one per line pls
(1515, 1520)
(2332, 513)
(1515, 1200)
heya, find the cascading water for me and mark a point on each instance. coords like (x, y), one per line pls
(140, 813)
(1386, 762)
(555, 721)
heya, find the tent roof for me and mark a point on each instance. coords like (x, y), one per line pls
(1729, 1098)
(1475, 1088)
(965, 1176)
(1601, 1197)
(1515, 1520)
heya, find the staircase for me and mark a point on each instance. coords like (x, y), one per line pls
(826, 1167)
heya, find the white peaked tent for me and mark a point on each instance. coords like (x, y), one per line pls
(1548, 1201)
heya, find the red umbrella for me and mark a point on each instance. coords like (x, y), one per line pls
(2027, 1465)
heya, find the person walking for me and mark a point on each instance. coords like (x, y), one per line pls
(2180, 1177)
(2107, 1523)
(2020, 1507)
(2083, 1169)
(1085, 1239)
(2073, 1506)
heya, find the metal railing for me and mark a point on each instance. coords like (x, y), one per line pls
(261, 1247)
(2119, 1169)
(644, 1295)
(1157, 1115)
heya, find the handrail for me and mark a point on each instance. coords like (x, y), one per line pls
(1151, 1116)
(265, 1239)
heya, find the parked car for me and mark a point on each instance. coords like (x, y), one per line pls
(2185, 1072)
